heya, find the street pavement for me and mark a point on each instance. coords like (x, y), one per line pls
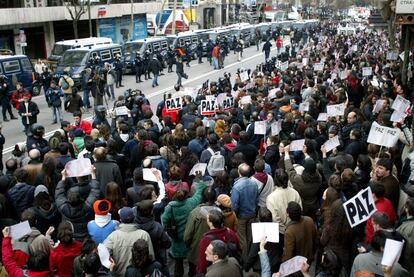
(197, 73)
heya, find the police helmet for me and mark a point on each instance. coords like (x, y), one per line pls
(37, 130)
(100, 109)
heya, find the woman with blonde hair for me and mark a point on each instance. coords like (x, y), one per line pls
(220, 128)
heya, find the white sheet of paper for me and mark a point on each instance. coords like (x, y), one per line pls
(305, 61)
(297, 145)
(19, 230)
(378, 105)
(400, 104)
(354, 48)
(148, 175)
(392, 56)
(366, 71)
(322, 117)
(244, 76)
(398, 116)
(270, 230)
(191, 92)
(104, 256)
(318, 66)
(79, 167)
(333, 76)
(220, 98)
(284, 66)
(344, 74)
(332, 143)
(199, 167)
(381, 135)
(272, 93)
(276, 127)
(260, 127)
(334, 110)
(392, 252)
(123, 110)
(304, 107)
(291, 266)
(246, 99)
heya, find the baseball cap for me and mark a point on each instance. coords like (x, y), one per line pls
(39, 189)
(126, 214)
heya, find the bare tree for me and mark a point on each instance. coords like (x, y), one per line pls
(387, 9)
(76, 9)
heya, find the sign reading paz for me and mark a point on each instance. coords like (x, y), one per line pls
(173, 104)
(384, 136)
(208, 107)
(360, 207)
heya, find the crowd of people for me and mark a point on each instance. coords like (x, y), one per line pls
(181, 193)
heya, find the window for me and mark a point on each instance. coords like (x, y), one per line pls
(94, 55)
(194, 39)
(187, 40)
(149, 46)
(116, 51)
(156, 46)
(26, 64)
(11, 66)
(105, 55)
(182, 43)
(164, 45)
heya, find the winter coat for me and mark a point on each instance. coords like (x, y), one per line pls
(54, 95)
(78, 216)
(7, 181)
(392, 190)
(226, 267)
(62, 257)
(31, 108)
(120, 243)
(45, 219)
(21, 197)
(75, 103)
(18, 95)
(181, 210)
(98, 232)
(406, 229)
(155, 66)
(263, 189)
(244, 198)
(107, 171)
(250, 152)
(148, 270)
(196, 146)
(383, 205)
(194, 230)
(272, 156)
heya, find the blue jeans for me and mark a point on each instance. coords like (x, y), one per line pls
(155, 80)
(110, 91)
(215, 63)
(85, 99)
(57, 112)
(179, 79)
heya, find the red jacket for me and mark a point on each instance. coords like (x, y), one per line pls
(216, 52)
(173, 115)
(383, 205)
(11, 266)
(61, 258)
(85, 126)
(18, 95)
(279, 43)
(220, 234)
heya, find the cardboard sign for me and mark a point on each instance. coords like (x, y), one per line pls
(297, 145)
(392, 56)
(228, 103)
(260, 127)
(331, 143)
(378, 105)
(318, 66)
(322, 117)
(173, 104)
(334, 110)
(381, 135)
(208, 107)
(367, 71)
(122, 110)
(268, 230)
(79, 167)
(360, 207)
(291, 266)
(400, 104)
(276, 127)
(246, 100)
(244, 76)
(198, 167)
(392, 252)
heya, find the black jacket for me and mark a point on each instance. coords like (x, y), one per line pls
(250, 152)
(155, 66)
(179, 67)
(79, 216)
(21, 197)
(32, 108)
(272, 156)
(7, 181)
(107, 171)
(45, 219)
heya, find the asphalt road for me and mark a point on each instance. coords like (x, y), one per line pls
(198, 73)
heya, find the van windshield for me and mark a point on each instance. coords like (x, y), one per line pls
(171, 40)
(59, 49)
(74, 58)
(132, 47)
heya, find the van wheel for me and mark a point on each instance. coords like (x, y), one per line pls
(36, 90)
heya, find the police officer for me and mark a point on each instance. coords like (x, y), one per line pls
(200, 51)
(5, 99)
(98, 82)
(187, 53)
(100, 117)
(147, 69)
(36, 141)
(139, 65)
(210, 46)
(118, 69)
(170, 58)
(46, 78)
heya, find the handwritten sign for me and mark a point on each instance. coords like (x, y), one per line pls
(392, 252)
(19, 230)
(79, 167)
(272, 93)
(304, 107)
(343, 74)
(244, 76)
(367, 71)
(173, 104)
(400, 104)
(198, 167)
(228, 103)
(378, 105)
(208, 107)
(245, 100)
(260, 127)
(360, 207)
(392, 56)
(291, 266)
(334, 110)
(381, 135)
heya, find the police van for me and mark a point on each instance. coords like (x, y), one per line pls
(180, 40)
(155, 44)
(18, 68)
(61, 46)
(76, 60)
(219, 34)
(246, 33)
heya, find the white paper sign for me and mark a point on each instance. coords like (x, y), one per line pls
(148, 175)
(360, 207)
(366, 71)
(270, 230)
(284, 66)
(318, 66)
(199, 167)
(291, 266)
(402, 55)
(378, 105)
(354, 48)
(344, 74)
(272, 93)
(332, 143)
(305, 61)
(297, 145)
(79, 167)
(322, 117)
(173, 104)
(392, 252)
(123, 110)
(260, 127)
(276, 127)
(19, 230)
(245, 100)
(381, 135)
(398, 116)
(244, 76)
(228, 103)
(400, 104)
(104, 256)
(304, 107)
(392, 56)
(220, 99)
(208, 107)
(334, 110)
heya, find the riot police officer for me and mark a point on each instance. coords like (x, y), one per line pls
(118, 70)
(200, 51)
(5, 99)
(139, 65)
(98, 82)
(170, 58)
(147, 69)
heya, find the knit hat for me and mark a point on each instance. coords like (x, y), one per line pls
(39, 189)
(223, 200)
(126, 214)
(309, 165)
(101, 207)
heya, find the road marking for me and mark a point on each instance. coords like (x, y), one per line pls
(160, 92)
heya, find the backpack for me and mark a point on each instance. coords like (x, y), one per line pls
(65, 84)
(232, 248)
(216, 162)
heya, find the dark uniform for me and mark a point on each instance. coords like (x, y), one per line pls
(147, 69)
(118, 70)
(200, 52)
(5, 99)
(139, 66)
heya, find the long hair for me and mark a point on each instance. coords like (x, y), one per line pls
(48, 168)
(114, 195)
(338, 223)
(65, 233)
(140, 254)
